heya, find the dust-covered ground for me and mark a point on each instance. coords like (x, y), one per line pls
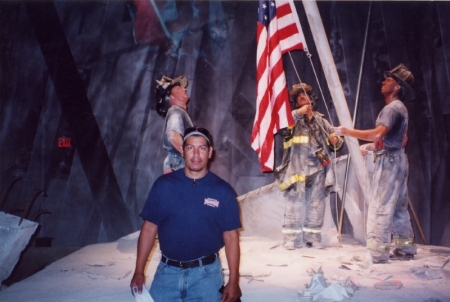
(102, 272)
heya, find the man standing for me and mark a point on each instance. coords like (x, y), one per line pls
(172, 100)
(388, 207)
(306, 175)
(194, 213)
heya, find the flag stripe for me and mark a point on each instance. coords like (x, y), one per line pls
(278, 31)
(283, 9)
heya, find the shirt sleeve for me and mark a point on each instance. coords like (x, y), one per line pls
(386, 117)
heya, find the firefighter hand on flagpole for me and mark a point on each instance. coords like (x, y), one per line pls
(306, 109)
(335, 140)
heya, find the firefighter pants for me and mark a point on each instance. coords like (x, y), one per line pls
(304, 210)
(388, 208)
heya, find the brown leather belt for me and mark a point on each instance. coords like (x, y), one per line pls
(192, 263)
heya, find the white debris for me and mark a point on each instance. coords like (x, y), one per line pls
(429, 272)
(320, 291)
(350, 286)
(389, 285)
(434, 274)
(317, 285)
(334, 292)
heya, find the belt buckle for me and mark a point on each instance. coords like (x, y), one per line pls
(182, 265)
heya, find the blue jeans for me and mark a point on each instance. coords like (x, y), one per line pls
(197, 284)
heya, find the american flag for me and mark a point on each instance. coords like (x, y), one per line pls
(278, 32)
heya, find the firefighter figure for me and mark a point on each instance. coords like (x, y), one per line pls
(306, 174)
(388, 207)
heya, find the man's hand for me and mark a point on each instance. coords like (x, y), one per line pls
(333, 139)
(138, 280)
(364, 149)
(340, 131)
(145, 245)
(307, 109)
(231, 292)
(370, 135)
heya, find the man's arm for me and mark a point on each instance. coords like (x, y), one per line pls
(232, 290)
(299, 112)
(145, 245)
(176, 140)
(370, 135)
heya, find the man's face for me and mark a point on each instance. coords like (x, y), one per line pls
(389, 85)
(196, 153)
(303, 99)
(178, 93)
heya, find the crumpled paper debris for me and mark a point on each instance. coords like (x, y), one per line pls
(334, 292)
(430, 273)
(349, 286)
(318, 284)
(320, 291)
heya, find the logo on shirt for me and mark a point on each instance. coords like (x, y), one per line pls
(211, 202)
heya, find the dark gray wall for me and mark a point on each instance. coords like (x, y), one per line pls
(85, 70)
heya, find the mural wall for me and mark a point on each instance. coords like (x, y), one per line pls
(80, 141)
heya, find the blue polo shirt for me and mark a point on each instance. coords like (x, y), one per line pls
(191, 219)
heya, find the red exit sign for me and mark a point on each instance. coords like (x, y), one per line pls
(64, 142)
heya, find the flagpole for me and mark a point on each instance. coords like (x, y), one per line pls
(337, 93)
